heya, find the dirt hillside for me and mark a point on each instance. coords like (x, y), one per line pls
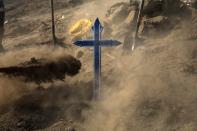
(150, 89)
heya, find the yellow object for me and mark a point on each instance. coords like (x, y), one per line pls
(80, 28)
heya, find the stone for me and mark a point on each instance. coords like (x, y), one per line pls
(118, 12)
(79, 54)
(155, 25)
(156, 20)
(131, 17)
(21, 124)
(70, 129)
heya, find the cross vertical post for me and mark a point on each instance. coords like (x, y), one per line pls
(97, 28)
(97, 43)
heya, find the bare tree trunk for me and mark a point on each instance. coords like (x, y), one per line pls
(53, 23)
(1, 39)
(2, 19)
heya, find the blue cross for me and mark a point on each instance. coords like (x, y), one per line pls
(97, 43)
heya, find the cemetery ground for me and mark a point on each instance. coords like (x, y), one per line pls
(151, 89)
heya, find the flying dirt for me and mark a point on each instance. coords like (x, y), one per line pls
(41, 70)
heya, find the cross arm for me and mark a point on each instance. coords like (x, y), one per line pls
(84, 43)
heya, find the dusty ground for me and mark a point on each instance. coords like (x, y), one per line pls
(152, 89)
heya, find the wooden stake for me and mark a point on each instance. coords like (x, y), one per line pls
(53, 23)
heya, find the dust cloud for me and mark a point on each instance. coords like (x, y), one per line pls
(155, 92)
(152, 88)
(13, 87)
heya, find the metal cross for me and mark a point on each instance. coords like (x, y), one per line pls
(97, 43)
